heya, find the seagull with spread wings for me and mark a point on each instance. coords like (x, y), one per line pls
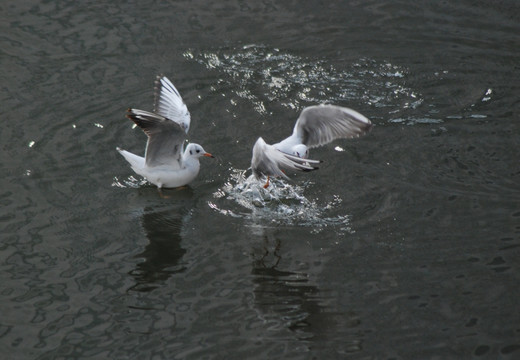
(316, 126)
(166, 163)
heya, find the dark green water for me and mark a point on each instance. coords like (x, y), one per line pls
(404, 245)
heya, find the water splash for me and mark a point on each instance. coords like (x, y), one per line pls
(130, 182)
(261, 75)
(280, 204)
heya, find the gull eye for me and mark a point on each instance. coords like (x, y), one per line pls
(198, 151)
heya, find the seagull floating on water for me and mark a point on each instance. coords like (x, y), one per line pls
(166, 163)
(317, 125)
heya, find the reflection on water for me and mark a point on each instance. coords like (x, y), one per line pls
(288, 299)
(162, 256)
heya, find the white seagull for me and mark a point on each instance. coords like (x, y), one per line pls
(317, 125)
(166, 163)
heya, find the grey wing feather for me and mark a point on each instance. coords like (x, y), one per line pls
(165, 138)
(168, 103)
(269, 161)
(321, 124)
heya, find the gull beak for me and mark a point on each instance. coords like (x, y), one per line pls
(209, 155)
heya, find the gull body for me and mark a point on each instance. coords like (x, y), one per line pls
(316, 126)
(171, 175)
(166, 163)
(269, 161)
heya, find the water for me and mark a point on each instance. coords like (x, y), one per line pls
(403, 245)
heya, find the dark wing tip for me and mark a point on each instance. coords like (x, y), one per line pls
(309, 170)
(145, 120)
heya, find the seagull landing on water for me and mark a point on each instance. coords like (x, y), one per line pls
(166, 163)
(317, 125)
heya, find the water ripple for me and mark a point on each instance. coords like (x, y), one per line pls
(266, 74)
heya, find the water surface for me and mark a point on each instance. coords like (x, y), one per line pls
(403, 245)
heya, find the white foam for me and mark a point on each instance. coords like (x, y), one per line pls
(281, 203)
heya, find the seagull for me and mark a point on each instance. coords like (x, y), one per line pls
(166, 163)
(316, 126)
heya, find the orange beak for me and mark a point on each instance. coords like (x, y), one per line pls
(208, 155)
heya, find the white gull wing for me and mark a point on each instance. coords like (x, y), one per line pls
(168, 103)
(165, 138)
(268, 161)
(320, 124)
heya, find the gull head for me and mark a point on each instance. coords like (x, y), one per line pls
(196, 151)
(301, 151)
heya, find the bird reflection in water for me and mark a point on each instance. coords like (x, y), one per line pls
(286, 299)
(289, 304)
(162, 256)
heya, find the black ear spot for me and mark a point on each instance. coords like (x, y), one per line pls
(191, 152)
